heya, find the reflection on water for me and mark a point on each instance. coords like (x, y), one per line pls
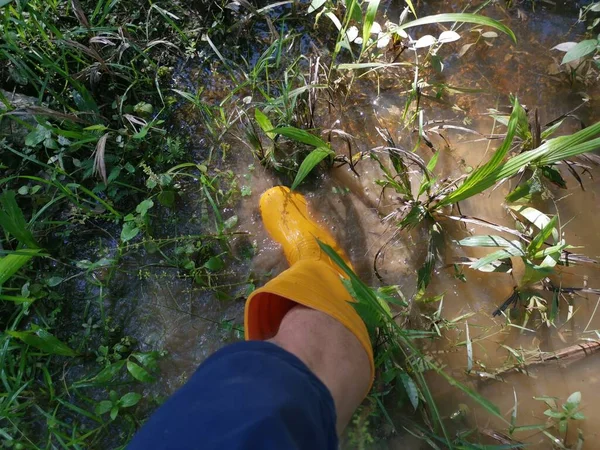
(184, 321)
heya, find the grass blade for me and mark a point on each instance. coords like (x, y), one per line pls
(44, 341)
(460, 17)
(296, 134)
(372, 7)
(264, 123)
(13, 220)
(485, 241)
(473, 184)
(10, 264)
(309, 163)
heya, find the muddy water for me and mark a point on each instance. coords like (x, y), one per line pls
(185, 321)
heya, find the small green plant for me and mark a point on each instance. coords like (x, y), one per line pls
(115, 403)
(561, 417)
(321, 149)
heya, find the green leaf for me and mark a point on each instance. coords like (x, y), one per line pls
(13, 220)
(554, 176)
(166, 198)
(372, 7)
(485, 241)
(515, 250)
(130, 399)
(148, 359)
(309, 163)
(107, 374)
(114, 412)
(54, 281)
(582, 49)
(554, 414)
(484, 402)
(143, 207)
(534, 273)
(129, 231)
(474, 182)
(103, 407)
(44, 341)
(11, 263)
(459, 17)
(214, 264)
(139, 373)
(411, 389)
(296, 134)
(574, 400)
(547, 231)
(37, 136)
(17, 299)
(264, 123)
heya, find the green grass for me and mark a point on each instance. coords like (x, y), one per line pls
(95, 153)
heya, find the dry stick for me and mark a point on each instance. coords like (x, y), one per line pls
(566, 355)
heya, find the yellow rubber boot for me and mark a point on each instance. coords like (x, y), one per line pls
(313, 280)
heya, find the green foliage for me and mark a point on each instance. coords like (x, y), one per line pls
(44, 341)
(581, 50)
(10, 264)
(396, 344)
(13, 220)
(563, 416)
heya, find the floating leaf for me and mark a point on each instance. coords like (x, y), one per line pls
(109, 372)
(448, 36)
(425, 41)
(580, 50)
(103, 407)
(564, 47)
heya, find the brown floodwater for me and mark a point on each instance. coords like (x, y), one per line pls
(185, 321)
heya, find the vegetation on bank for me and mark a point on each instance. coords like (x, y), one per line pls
(94, 173)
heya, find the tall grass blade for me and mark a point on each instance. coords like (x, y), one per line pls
(264, 123)
(549, 152)
(372, 7)
(366, 294)
(10, 264)
(13, 221)
(44, 341)
(471, 186)
(296, 134)
(459, 17)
